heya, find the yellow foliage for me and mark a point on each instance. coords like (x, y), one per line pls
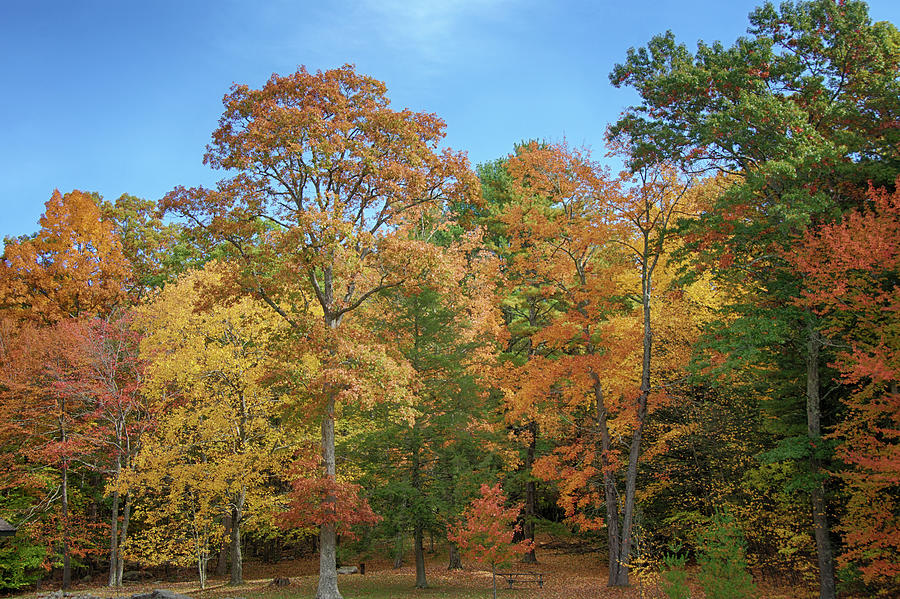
(218, 440)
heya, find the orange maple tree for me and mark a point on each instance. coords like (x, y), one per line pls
(565, 267)
(595, 247)
(73, 266)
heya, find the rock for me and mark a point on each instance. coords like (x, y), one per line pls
(280, 582)
(134, 575)
(160, 594)
(348, 570)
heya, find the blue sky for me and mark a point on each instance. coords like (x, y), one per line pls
(121, 96)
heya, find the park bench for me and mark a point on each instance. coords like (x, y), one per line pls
(522, 577)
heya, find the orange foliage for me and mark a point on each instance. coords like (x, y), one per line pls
(73, 266)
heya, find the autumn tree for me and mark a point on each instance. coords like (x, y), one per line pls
(218, 416)
(851, 271)
(73, 269)
(180, 491)
(486, 530)
(328, 179)
(445, 333)
(594, 247)
(648, 211)
(73, 266)
(156, 251)
(526, 310)
(47, 413)
(800, 112)
(111, 376)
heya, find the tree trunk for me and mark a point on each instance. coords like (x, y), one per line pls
(611, 496)
(494, 580)
(237, 508)
(421, 582)
(67, 560)
(630, 493)
(641, 406)
(418, 549)
(222, 558)
(126, 518)
(455, 561)
(237, 562)
(398, 551)
(114, 540)
(328, 588)
(530, 492)
(817, 496)
(201, 567)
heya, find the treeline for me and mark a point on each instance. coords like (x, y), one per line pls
(340, 343)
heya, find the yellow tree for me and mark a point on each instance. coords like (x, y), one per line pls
(180, 487)
(327, 181)
(647, 211)
(217, 441)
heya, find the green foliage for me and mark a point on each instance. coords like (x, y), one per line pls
(423, 459)
(723, 562)
(673, 574)
(20, 562)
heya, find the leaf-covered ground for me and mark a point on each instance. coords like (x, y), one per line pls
(568, 575)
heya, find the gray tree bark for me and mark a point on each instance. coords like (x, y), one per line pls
(611, 496)
(222, 558)
(398, 550)
(530, 492)
(114, 541)
(120, 562)
(421, 582)
(418, 548)
(328, 588)
(67, 558)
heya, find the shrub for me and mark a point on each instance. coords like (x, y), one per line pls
(673, 575)
(723, 561)
(20, 562)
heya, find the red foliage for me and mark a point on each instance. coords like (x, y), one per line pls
(69, 402)
(852, 269)
(486, 535)
(321, 499)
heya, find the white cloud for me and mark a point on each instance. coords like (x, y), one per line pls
(432, 29)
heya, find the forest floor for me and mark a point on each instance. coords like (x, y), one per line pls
(567, 574)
